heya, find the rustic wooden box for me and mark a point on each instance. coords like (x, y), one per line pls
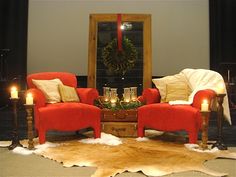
(122, 123)
(120, 129)
(119, 116)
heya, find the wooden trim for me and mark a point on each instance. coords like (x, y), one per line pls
(147, 60)
(92, 53)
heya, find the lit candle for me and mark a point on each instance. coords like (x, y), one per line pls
(106, 93)
(204, 105)
(113, 96)
(127, 100)
(126, 94)
(133, 91)
(29, 99)
(220, 88)
(113, 102)
(14, 92)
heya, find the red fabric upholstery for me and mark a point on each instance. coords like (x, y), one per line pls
(151, 95)
(202, 95)
(87, 95)
(70, 116)
(166, 117)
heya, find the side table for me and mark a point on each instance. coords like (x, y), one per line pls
(121, 123)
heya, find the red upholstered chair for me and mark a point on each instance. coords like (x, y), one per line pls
(166, 117)
(64, 116)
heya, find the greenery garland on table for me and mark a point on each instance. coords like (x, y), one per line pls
(119, 62)
(120, 104)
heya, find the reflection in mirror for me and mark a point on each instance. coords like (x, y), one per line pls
(125, 75)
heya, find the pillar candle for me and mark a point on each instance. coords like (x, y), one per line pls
(14, 92)
(204, 105)
(29, 99)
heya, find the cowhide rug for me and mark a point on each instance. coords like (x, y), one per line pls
(153, 157)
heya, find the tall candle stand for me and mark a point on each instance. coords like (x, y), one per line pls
(205, 120)
(29, 110)
(15, 137)
(219, 143)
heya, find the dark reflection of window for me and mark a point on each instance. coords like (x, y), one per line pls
(107, 31)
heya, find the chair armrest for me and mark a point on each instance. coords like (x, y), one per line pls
(87, 95)
(39, 98)
(150, 95)
(201, 95)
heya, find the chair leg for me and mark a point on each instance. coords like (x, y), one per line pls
(97, 132)
(193, 136)
(141, 131)
(42, 137)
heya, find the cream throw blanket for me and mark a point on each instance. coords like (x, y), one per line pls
(200, 79)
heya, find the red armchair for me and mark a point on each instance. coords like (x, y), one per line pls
(64, 116)
(166, 117)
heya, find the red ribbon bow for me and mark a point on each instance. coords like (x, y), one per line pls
(119, 32)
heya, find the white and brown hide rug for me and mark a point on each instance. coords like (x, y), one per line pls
(152, 156)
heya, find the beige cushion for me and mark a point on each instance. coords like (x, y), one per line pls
(161, 83)
(176, 91)
(68, 94)
(49, 88)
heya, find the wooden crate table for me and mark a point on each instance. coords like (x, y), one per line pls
(121, 123)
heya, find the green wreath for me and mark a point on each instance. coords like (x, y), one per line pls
(119, 62)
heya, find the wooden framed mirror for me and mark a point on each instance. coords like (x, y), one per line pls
(103, 25)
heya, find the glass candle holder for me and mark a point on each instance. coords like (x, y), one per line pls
(106, 93)
(133, 92)
(113, 96)
(126, 94)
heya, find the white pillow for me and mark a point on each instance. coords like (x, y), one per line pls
(49, 88)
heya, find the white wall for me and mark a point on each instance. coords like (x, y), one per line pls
(58, 33)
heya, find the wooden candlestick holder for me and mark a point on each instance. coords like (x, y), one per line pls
(15, 136)
(29, 110)
(205, 121)
(219, 143)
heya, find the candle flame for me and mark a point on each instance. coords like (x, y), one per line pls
(113, 100)
(127, 100)
(13, 89)
(29, 95)
(205, 101)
